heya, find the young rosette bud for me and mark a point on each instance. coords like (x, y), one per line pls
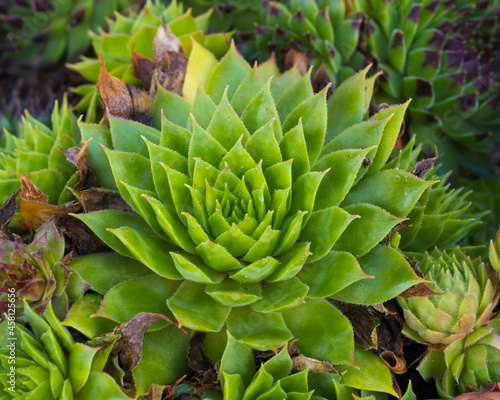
(49, 365)
(466, 364)
(256, 199)
(35, 273)
(467, 296)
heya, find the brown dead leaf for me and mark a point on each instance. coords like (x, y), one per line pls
(97, 199)
(164, 43)
(320, 80)
(115, 94)
(129, 346)
(79, 238)
(29, 190)
(396, 363)
(7, 212)
(420, 289)
(34, 207)
(174, 80)
(143, 104)
(77, 157)
(425, 165)
(298, 59)
(204, 368)
(143, 68)
(301, 363)
(387, 240)
(170, 389)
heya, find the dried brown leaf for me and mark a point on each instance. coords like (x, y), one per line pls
(115, 94)
(143, 68)
(34, 207)
(143, 104)
(97, 199)
(420, 289)
(7, 212)
(129, 346)
(77, 157)
(164, 43)
(174, 79)
(204, 368)
(297, 59)
(321, 80)
(396, 363)
(29, 191)
(425, 165)
(80, 239)
(301, 363)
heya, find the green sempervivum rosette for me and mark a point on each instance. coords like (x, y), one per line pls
(49, 364)
(40, 31)
(465, 364)
(280, 377)
(467, 296)
(36, 273)
(323, 29)
(442, 216)
(441, 54)
(254, 209)
(136, 31)
(36, 153)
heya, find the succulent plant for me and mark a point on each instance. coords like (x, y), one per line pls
(246, 198)
(48, 31)
(466, 299)
(37, 273)
(230, 14)
(281, 377)
(35, 152)
(441, 54)
(442, 217)
(136, 31)
(466, 363)
(49, 364)
(325, 30)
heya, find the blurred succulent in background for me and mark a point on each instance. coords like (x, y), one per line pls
(246, 198)
(37, 273)
(324, 30)
(485, 199)
(467, 296)
(229, 14)
(132, 34)
(443, 55)
(442, 216)
(35, 152)
(49, 31)
(49, 364)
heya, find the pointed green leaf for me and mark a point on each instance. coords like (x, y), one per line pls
(394, 277)
(195, 309)
(332, 338)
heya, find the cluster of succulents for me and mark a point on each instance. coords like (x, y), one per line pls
(247, 232)
(131, 35)
(48, 31)
(49, 364)
(35, 151)
(442, 54)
